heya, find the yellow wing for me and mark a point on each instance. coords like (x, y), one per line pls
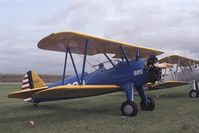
(76, 42)
(23, 94)
(69, 91)
(168, 84)
(176, 59)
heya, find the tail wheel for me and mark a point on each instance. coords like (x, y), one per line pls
(148, 104)
(193, 93)
(129, 108)
(35, 105)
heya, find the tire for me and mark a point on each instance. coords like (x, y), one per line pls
(129, 108)
(35, 105)
(193, 94)
(148, 105)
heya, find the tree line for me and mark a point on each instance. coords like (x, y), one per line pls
(17, 78)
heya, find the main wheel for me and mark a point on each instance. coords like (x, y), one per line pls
(148, 105)
(193, 93)
(129, 108)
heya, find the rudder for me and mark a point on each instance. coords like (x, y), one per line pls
(32, 80)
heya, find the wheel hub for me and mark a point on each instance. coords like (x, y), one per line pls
(193, 94)
(128, 109)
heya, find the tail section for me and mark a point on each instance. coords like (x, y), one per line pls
(32, 80)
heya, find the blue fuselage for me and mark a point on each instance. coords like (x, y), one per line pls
(120, 75)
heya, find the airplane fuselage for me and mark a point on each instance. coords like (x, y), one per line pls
(186, 75)
(121, 74)
(125, 75)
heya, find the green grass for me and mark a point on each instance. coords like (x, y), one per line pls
(175, 112)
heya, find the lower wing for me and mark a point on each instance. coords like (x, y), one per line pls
(167, 84)
(70, 91)
(65, 91)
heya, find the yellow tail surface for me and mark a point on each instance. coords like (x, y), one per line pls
(32, 80)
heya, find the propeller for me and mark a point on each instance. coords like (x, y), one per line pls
(163, 65)
(154, 69)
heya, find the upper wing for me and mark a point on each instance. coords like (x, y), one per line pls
(74, 40)
(176, 59)
(168, 84)
(23, 94)
(70, 91)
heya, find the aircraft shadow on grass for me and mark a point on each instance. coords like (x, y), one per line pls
(56, 111)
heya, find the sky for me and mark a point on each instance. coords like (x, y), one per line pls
(168, 25)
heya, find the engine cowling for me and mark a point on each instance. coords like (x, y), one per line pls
(153, 72)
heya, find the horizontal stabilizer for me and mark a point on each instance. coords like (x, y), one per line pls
(31, 84)
(26, 93)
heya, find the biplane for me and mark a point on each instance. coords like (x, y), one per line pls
(184, 71)
(137, 66)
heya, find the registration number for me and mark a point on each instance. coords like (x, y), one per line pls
(138, 72)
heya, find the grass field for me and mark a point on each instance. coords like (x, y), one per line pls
(175, 113)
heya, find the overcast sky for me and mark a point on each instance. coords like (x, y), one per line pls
(169, 25)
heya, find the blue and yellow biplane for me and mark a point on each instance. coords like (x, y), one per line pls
(137, 67)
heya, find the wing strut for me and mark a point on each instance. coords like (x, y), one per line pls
(84, 61)
(124, 55)
(190, 65)
(137, 54)
(65, 66)
(110, 60)
(71, 57)
(74, 66)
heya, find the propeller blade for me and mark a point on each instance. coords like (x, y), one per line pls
(163, 65)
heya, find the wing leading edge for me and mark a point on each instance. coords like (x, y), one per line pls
(60, 41)
(176, 59)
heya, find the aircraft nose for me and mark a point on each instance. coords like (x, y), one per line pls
(153, 72)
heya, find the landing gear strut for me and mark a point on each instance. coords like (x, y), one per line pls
(146, 103)
(194, 93)
(129, 107)
(35, 105)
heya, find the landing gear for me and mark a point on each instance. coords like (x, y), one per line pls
(148, 104)
(194, 93)
(35, 105)
(129, 108)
